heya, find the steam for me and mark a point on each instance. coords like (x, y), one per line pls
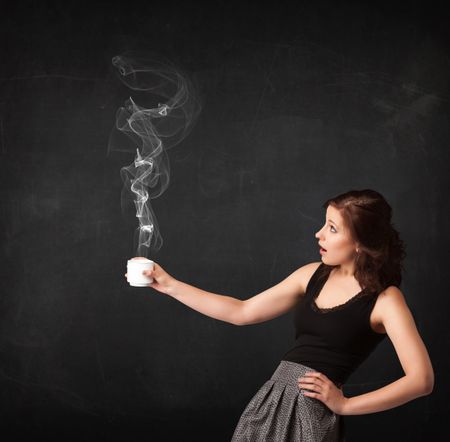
(153, 130)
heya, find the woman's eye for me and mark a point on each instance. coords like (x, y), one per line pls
(334, 230)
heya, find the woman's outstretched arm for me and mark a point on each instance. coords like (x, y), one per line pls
(221, 307)
(262, 307)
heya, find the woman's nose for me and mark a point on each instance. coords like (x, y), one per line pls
(319, 234)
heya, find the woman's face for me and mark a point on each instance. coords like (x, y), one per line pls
(335, 239)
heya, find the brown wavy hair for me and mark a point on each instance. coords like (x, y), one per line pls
(368, 217)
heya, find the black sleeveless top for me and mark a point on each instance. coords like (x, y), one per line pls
(336, 340)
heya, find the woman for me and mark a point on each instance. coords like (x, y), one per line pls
(345, 305)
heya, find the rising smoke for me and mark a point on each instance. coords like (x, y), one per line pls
(153, 130)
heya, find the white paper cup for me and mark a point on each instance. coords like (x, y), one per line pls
(135, 267)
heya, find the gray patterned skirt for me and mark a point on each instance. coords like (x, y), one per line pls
(280, 412)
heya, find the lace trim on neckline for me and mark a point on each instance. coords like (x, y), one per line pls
(318, 309)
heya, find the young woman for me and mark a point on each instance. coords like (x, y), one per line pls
(345, 305)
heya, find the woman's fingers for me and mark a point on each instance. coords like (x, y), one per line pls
(152, 272)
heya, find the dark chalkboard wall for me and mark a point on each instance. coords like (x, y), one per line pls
(299, 103)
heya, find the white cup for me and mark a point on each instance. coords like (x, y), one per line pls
(135, 267)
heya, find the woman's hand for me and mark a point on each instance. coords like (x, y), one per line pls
(324, 390)
(162, 281)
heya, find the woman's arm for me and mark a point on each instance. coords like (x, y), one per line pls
(392, 395)
(266, 305)
(224, 308)
(279, 299)
(412, 353)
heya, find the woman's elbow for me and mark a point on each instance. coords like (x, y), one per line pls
(238, 317)
(428, 384)
(236, 322)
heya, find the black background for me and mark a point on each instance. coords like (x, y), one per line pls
(300, 102)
